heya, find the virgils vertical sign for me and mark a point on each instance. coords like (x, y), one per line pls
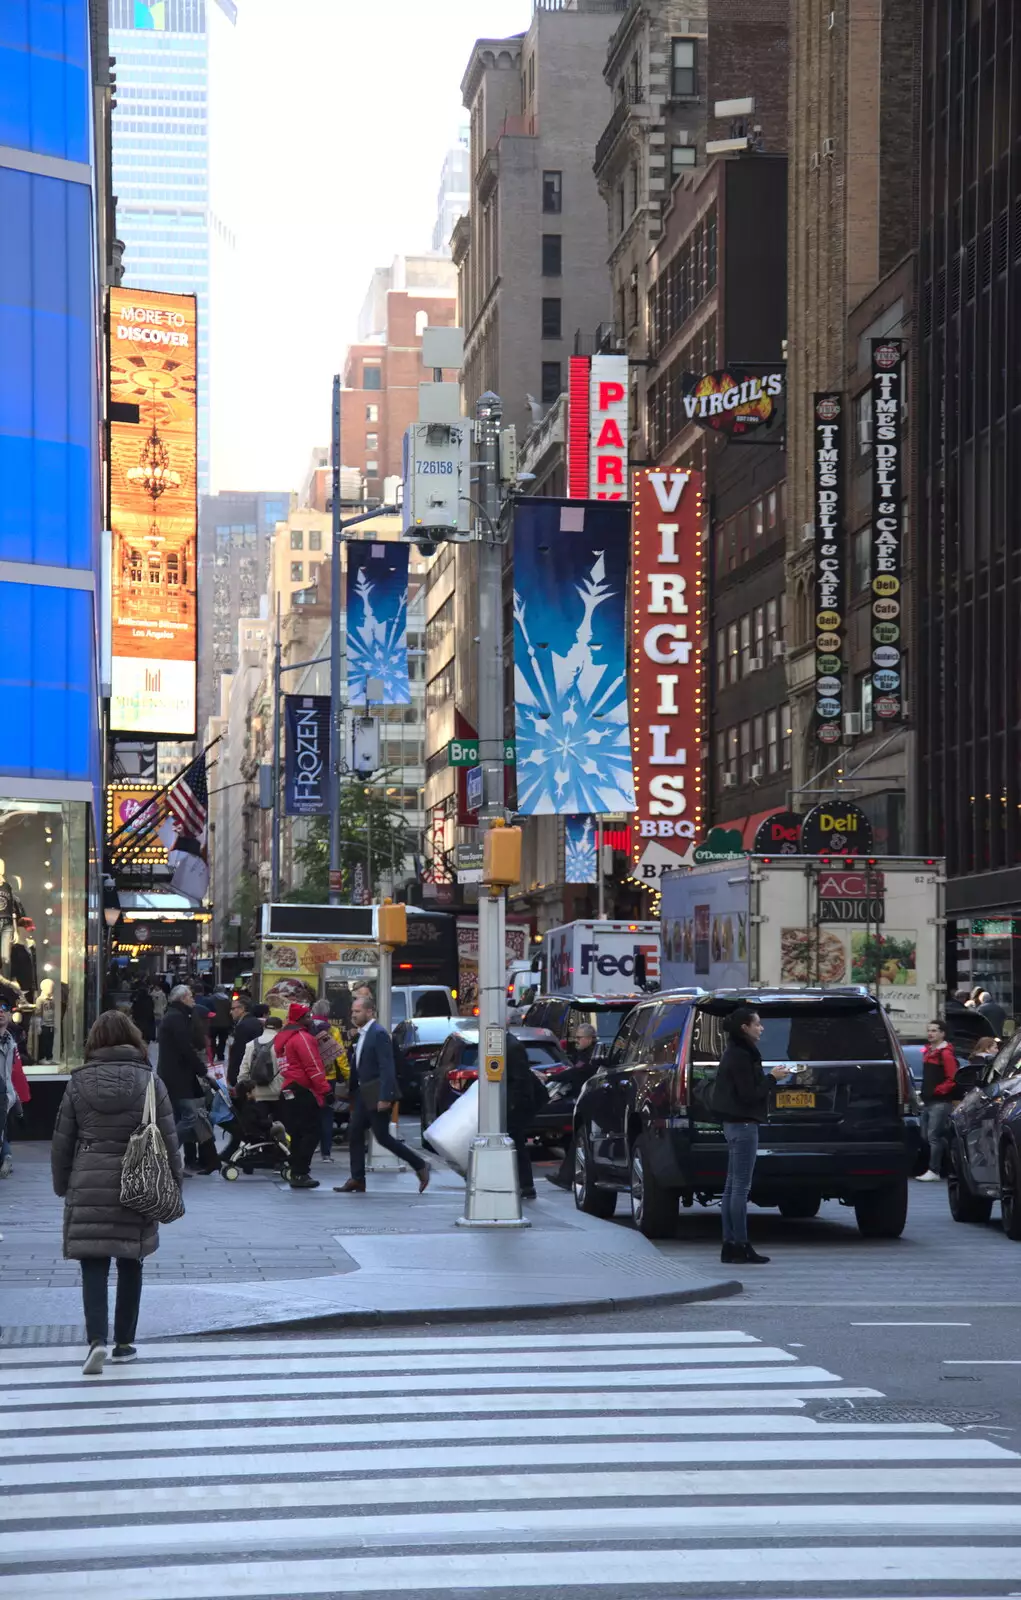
(666, 667)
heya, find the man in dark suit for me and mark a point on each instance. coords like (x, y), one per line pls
(374, 1089)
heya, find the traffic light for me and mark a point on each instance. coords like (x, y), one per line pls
(392, 924)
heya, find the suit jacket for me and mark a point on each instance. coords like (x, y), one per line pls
(376, 1062)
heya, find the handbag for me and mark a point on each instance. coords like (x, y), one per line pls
(148, 1184)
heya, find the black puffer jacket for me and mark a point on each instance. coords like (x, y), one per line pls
(101, 1108)
(741, 1090)
(180, 1065)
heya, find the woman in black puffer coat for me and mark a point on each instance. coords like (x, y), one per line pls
(102, 1107)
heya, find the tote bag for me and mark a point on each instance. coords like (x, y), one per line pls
(148, 1185)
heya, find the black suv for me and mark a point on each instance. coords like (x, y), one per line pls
(562, 1014)
(843, 1127)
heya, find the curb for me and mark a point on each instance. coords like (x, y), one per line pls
(324, 1322)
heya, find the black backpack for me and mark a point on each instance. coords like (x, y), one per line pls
(264, 1066)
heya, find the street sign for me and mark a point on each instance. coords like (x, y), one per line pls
(468, 860)
(473, 792)
(465, 753)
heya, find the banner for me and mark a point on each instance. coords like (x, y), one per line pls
(580, 850)
(828, 489)
(377, 622)
(666, 665)
(153, 459)
(570, 676)
(737, 402)
(306, 755)
(887, 527)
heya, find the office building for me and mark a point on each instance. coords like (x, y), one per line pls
(454, 194)
(173, 145)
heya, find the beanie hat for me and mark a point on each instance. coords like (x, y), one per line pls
(296, 1010)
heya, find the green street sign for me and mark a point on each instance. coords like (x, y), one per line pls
(465, 753)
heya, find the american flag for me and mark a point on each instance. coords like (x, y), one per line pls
(189, 799)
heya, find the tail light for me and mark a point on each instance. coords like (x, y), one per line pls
(563, 1044)
(461, 1078)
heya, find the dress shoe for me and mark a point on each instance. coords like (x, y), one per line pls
(753, 1256)
(425, 1173)
(732, 1253)
(352, 1186)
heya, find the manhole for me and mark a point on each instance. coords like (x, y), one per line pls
(886, 1411)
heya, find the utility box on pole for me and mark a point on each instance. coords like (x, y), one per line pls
(437, 481)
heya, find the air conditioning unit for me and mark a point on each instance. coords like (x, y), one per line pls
(779, 650)
(754, 664)
(828, 147)
(852, 724)
(757, 770)
(730, 780)
(807, 532)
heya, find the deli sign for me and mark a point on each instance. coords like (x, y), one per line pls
(887, 526)
(666, 655)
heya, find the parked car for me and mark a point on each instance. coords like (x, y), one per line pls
(419, 1041)
(457, 1068)
(420, 1000)
(562, 1014)
(846, 1130)
(984, 1154)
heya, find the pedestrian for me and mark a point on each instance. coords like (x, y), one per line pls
(974, 997)
(994, 1013)
(962, 1026)
(939, 1071)
(159, 1000)
(522, 1098)
(143, 1012)
(333, 1056)
(247, 1027)
(583, 1065)
(374, 1089)
(342, 1003)
(102, 1107)
(219, 1003)
(303, 1090)
(184, 1071)
(265, 1086)
(740, 1098)
(14, 1090)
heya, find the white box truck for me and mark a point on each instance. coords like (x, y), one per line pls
(594, 958)
(811, 922)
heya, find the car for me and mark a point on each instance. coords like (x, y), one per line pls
(420, 1000)
(419, 1041)
(984, 1147)
(457, 1068)
(848, 1129)
(562, 1015)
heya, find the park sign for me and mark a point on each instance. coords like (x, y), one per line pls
(465, 753)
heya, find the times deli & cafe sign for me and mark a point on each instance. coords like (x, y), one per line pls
(887, 527)
(828, 490)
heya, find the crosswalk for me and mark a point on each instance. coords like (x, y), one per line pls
(619, 1464)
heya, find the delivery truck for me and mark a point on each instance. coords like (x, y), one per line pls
(594, 958)
(808, 922)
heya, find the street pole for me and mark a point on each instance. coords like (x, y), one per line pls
(492, 1197)
(599, 868)
(336, 735)
(274, 870)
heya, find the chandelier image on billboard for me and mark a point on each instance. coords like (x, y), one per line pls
(153, 473)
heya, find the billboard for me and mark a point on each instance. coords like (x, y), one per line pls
(377, 623)
(153, 459)
(306, 755)
(828, 490)
(597, 449)
(666, 664)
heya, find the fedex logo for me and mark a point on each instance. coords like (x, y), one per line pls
(611, 966)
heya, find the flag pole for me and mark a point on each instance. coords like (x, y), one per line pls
(125, 826)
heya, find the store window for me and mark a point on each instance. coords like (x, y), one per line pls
(48, 939)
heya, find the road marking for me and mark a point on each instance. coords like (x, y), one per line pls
(910, 1324)
(963, 1362)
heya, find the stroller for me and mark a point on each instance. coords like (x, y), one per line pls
(257, 1139)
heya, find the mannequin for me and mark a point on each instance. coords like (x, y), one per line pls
(47, 1012)
(8, 910)
(23, 968)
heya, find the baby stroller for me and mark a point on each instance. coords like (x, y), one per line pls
(258, 1140)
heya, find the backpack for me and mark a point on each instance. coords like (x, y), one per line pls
(263, 1069)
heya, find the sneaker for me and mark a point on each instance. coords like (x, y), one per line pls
(327, 1159)
(306, 1181)
(92, 1366)
(929, 1177)
(123, 1352)
(6, 1167)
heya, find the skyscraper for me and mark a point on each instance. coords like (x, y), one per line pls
(170, 129)
(454, 195)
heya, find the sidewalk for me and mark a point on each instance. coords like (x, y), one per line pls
(256, 1254)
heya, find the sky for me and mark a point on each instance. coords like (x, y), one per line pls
(347, 108)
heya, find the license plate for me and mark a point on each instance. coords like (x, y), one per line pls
(794, 1100)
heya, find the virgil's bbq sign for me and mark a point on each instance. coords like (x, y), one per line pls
(735, 402)
(828, 488)
(887, 527)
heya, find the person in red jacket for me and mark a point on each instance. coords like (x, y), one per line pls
(304, 1087)
(939, 1071)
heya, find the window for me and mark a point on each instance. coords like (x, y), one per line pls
(785, 735)
(742, 525)
(372, 441)
(552, 192)
(633, 185)
(772, 741)
(315, 539)
(372, 469)
(297, 572)
(732, 655)
(759, 632)
(313, 571)
(372, 378)
(683, 68)
(721, 658)
(758, 521)
(681, 156)
(861, 555)
(771, 510)
(297, 539)
(732, 752)
(746, 644)
(664, 1039)
(551, 319)
(372, 413)
(552, 255)
(421, 323)
(621, 216)
(551, 384)
(759, 744)
(746, 753)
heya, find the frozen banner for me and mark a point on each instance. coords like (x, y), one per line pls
(570, 673)
(377, 623)
(306, 755)
(580, 839)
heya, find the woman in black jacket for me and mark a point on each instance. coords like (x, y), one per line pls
(740, 1100)
(102, 1106)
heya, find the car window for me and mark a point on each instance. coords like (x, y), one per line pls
(542, 1053)
(1006, 1062)
(448, 1054)
(635, 1051)
(533, 1017)
(622, 1040)
(555, 1019)
(398, 1006)
(467, 1055)
(796, 1034)
(606, 1022)
(663, 1036)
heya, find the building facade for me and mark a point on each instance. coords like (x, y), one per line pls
(172, 148)
(454, 195)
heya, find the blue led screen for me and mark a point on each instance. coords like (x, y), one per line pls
(47, 372)
(46, 683)
(44, 77)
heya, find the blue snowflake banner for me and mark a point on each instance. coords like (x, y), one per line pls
(580, 850)
(570, 657)
(377, 622)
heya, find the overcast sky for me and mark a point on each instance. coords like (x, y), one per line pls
(348, 109)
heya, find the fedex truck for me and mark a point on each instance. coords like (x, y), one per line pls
(599, 957)
(811, 922)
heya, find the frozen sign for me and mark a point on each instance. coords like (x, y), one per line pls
(666, 664)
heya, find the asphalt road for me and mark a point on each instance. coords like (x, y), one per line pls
(850, 1427)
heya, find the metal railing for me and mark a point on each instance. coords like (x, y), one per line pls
(630, 94)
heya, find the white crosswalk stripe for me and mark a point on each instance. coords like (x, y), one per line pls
(645, 1464)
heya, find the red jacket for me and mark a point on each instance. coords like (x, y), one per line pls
(301, 1063)
(19, 1079)
(942, 1058)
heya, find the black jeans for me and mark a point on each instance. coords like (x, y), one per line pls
(365, 1117)
(300, 1115)
(219, 1037)
(95, 1277)
(526, 1182)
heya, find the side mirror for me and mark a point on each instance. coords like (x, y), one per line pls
(969, 1076)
